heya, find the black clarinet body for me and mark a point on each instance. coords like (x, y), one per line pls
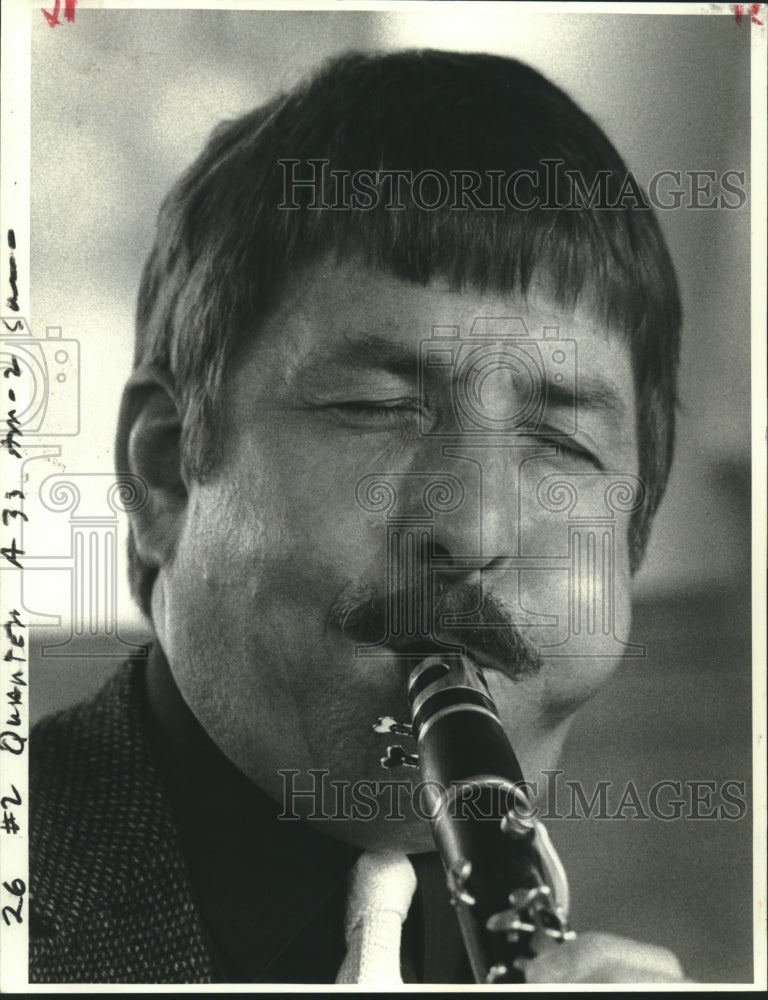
(505, 879)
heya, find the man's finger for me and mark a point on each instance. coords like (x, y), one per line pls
(603, 958)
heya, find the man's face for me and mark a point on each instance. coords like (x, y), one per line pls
(368, 449)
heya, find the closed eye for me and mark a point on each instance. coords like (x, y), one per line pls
(575, 451)
(371, 413)
(569, 446)
(571, 449)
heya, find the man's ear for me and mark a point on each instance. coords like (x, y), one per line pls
(149, 446)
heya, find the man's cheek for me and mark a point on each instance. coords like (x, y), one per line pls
(579, 621)
(573, 542)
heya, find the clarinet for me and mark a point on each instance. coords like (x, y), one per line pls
(505, 879)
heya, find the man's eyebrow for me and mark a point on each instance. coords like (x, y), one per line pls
(592, 393)
(365, 351)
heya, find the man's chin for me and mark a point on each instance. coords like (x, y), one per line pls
(390, 812)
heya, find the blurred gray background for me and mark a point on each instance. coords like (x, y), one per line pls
(123, 100)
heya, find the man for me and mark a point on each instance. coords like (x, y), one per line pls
(397, 327)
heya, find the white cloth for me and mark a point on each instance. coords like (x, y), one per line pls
(380, 893)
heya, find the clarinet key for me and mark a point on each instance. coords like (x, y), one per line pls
(386, 724)
(396, 756)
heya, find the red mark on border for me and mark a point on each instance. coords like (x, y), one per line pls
(69, 12)
(753, 9)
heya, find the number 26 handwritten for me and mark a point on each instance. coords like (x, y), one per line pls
(16, 888)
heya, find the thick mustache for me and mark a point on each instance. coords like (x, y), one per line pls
(364, 616)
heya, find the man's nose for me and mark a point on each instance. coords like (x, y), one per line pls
(481, 521)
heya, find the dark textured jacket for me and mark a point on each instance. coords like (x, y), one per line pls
(110, 900)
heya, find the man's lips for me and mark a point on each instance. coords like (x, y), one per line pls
(451, 645)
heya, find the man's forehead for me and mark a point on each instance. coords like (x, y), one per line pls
(341, 308)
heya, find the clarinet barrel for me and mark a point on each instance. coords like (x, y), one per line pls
(505, 879)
